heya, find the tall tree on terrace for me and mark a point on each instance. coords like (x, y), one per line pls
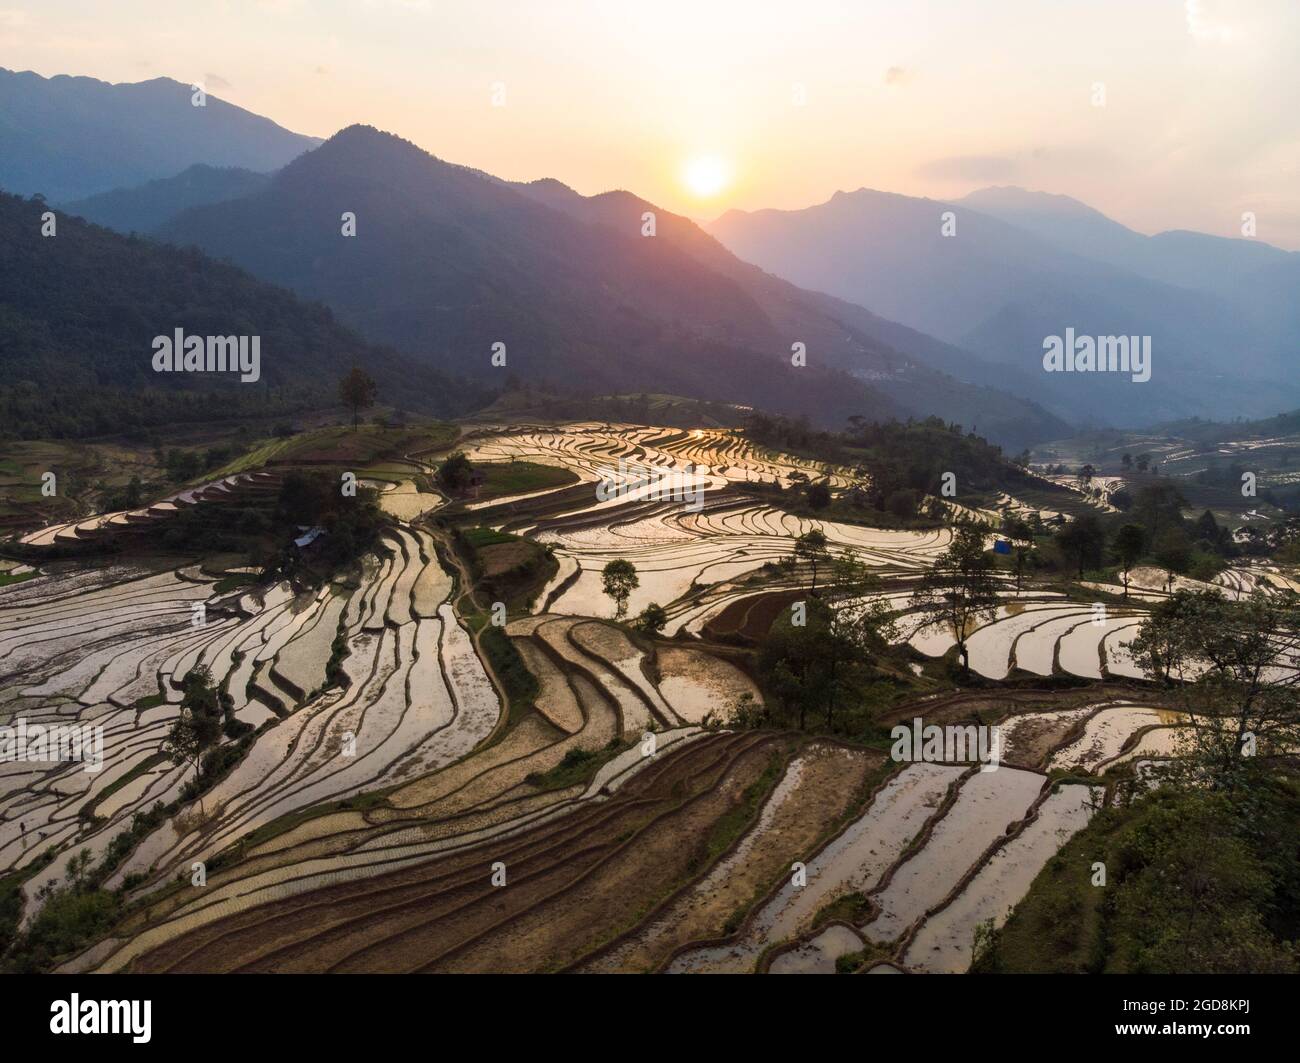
(960, 589)
(357, 391)
(1129, 543)
(811, 547)
(198, 727)
(1021, 534)
(1082, 541)
(620, 580)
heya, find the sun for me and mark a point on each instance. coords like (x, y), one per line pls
(706, 175)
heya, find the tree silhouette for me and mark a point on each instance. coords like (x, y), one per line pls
(357, 391)
(620, 580)
(1129, 543)
(811, 547)
(198, 727)
(960, 590)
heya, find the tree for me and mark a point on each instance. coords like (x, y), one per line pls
(814, 665)
(1173, 550)
(357, 391)
(1021, 534)
(811, 547)
(620, 580)
(1129, 543)
(456, 473)
(1082, 542)
(1086, 473)
(850, 578)
(819, 494)
(960, 590)
(853, 633)
(652, 619)
(1195, 886)
(198, 727)
(1158, 507)
(1239, 663)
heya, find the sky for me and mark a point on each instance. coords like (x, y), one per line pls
(1161, 113)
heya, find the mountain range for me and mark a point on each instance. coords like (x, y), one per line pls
(71, 137)
(999, 271)
(143, 208)
(80, 309)
(448, 261)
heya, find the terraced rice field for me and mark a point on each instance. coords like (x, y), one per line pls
(91, 529)
(409, 818)
(612, 876)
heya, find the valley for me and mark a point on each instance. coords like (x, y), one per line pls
(605, 489)
(413, 776)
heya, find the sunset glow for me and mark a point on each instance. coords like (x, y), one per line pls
(705, 176)
(933, 99)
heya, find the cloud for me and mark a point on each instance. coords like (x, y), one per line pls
(969, 168)
(215, 83)
(897, 75)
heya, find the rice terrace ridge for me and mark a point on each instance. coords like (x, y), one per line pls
(592, 489)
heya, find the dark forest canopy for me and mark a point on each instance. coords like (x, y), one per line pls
(79, 311)
(900, 454)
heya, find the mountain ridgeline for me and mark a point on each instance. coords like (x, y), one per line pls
(448, 261)
(70, 137)
(146, 207)
(79, 311)
(611, 295)
(1012, 268)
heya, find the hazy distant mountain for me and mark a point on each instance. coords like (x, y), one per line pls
(145, 207)
(1259, 282)
(72, 137)
(999, 289)
(1180, 257)
(79, 312)
(448, 261)
(922, 374)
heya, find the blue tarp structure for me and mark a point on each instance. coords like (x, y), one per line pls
(1001, 546)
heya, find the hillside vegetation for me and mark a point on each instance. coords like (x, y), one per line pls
(79, 311)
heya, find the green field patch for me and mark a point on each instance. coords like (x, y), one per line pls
(520, 478)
